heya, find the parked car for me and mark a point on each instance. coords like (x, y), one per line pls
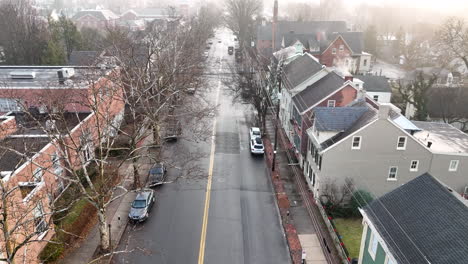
(255, 133)
(141, 206)
(207, 47)
(157, 175)
(219, 41)
(256, 146)
(230, 50)
(172, 130)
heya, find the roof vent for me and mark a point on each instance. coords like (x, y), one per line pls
(22, 75)
(429, 144)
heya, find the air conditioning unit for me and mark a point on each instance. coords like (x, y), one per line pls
(22, 75)
(68, 72)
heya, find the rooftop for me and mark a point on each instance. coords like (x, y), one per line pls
(28, 125)
(444, 137)
(29, 146)
(374, 83)
(99, 14)
(41, 77)
(300, 69)
(403, 217)
(336, 118)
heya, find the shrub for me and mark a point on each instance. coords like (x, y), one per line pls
(359, 199)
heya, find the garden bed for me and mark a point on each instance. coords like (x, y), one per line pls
(350, 230)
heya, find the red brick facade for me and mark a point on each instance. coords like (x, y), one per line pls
(341, 50)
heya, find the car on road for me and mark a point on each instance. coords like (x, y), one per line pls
(157, 174)
(210, 42)
(255, 133)
(207, 47)
(219, 41)
(256, 146)
(141, 206)
(230, 50)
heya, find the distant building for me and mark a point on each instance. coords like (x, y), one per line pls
(376, 87)
(420, 222)
(95, 19)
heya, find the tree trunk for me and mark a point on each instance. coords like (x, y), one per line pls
(103, 232)
(136, 175)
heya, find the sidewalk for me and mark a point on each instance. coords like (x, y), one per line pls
(117, 215)
(312, 233)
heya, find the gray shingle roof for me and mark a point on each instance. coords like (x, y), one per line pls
(83, 58)
(448, 102)
(422, 222)
(355, 40)
(375, 83)
(337, 118)
(299, 70)
(317, 91)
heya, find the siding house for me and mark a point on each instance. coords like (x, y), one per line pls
(423, 221)
(376, 87)
(379, 149)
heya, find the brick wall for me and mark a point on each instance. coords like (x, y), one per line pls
(327, 57)
(7, 126)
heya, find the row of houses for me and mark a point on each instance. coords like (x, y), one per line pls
(343, 126)
(48, 113)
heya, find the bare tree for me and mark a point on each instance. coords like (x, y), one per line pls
(453, 38)
(337, 195)
(240, 18)
(415, 93)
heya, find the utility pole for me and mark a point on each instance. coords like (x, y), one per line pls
(277, 121)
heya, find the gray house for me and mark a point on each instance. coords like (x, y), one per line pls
(421, 222)
(376, 87)
(380, 149)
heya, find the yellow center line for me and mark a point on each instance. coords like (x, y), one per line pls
(201, 254)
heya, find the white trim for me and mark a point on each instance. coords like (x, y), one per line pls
(357, 131)
(396, 173)
(363, 241)
(373, 238)
(411, 165)
(33, 192)
(404, 143)
(457, 162)
(331, 43)
(360, 142)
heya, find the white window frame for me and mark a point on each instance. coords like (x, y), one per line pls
(40, 215)
(364, 63)
(373, 245)
(376, 98)
(404, 143)
(390, 171)
(341, 48)
(417, 165)
(331, 103)
(333, 51)
(352, 142)
(38, 175)
(454, 168)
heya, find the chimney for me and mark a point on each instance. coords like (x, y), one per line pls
(429, 144)
(383, 111)
(273, 25)
(361, 95)
(319, 36)
(348, 78)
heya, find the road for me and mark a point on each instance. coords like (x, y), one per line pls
(229, 215)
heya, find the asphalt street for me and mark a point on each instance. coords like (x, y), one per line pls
(227, 216)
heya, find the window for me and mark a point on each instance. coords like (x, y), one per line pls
(376, 98)
(334, 51)
(414, 165)
(8, 104)
(364, 63)
(331, 103)
(341, 48)
(401, 145)
(453, 165)
(356, 143)
(39, 219)
(392, 173)
(37, 175)
(373, 244)
(56, 165)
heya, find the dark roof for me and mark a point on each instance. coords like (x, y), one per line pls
(337, 118)
(374, 83)
(318, 91)
(299, 70)
(448, 102)
(422, 222)
(305, 27)
(307, 40)
(83, 58)
(29, 146)
(354, 40)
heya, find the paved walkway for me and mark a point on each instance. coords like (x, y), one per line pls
(303, 210)
(117, 215)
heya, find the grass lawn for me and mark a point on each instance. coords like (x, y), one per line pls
(351, 231)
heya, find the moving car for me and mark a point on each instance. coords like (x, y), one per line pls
(157, 175)
(141, 206)
(230, 50)
(255, 133)
(256, 146)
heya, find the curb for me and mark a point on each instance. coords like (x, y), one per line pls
(282, 201)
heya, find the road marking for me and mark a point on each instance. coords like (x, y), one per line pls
(201, 253)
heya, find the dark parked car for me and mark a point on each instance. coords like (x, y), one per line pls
(141, 206)
(157, 175)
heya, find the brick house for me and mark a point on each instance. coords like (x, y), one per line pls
(95, 19)
(31, 160)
